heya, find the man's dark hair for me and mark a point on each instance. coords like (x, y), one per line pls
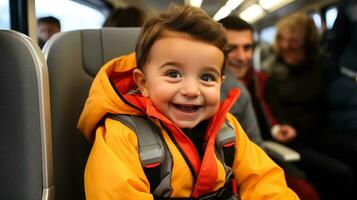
(49, 20)
(235, 23)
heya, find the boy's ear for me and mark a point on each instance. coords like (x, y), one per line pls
(223, 78)
(140, 80)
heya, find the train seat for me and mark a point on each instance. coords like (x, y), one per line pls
(25, 146)
(73, 60)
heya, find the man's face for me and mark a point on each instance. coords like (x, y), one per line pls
(46, 30)
(182, 77)
(240, 57)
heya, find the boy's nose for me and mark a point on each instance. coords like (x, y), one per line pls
(190, 88)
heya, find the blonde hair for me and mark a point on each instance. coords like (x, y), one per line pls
(303, 23)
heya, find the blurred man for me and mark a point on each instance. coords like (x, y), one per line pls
(47, 26)
(240, 38)
(240, 64)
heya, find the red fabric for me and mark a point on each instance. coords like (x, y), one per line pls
(208, 171)
(126, 83)
(302, 188)
(259, 81)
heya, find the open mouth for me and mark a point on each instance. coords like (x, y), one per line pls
(187, 108)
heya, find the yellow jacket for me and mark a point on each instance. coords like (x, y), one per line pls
(114, 171)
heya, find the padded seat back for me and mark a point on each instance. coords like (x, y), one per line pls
(25, 125)
(73, 60)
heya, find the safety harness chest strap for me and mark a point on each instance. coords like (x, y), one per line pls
(156, 159)
(152, 151)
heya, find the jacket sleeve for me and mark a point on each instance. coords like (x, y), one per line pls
(272, 99)
(113, 169)
(257, 176)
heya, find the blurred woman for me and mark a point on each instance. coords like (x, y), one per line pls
(296, 90)
(297, 83)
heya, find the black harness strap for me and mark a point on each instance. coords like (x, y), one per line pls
(225, 141)
(151, 151)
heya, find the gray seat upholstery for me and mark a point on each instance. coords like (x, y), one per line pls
(73, 59)
(25, 145)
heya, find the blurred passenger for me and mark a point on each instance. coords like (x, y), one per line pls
(46, 27)
(342, 92)
(240, 65)
(240, 58)
(296, 93)
(298, 79)
(125, 17)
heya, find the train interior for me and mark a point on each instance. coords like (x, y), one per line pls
(42, 153)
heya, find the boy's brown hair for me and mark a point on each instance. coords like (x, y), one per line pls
(184, 19)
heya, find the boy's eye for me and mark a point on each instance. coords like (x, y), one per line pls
(208, 77)
(173, 74)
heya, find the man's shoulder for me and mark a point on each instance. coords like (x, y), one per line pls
(230, 83)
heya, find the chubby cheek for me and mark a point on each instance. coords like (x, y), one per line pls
(160, 93)
(213, 98)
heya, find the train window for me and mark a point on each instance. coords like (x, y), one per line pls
(268, 34)
(72, 15)
(4, 14)
(331, 14)
(317, 19)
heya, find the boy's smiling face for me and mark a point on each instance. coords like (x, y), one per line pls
(182, 77)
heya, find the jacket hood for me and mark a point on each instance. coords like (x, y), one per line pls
(103, 97)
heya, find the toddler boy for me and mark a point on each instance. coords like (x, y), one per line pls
(174, 80)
